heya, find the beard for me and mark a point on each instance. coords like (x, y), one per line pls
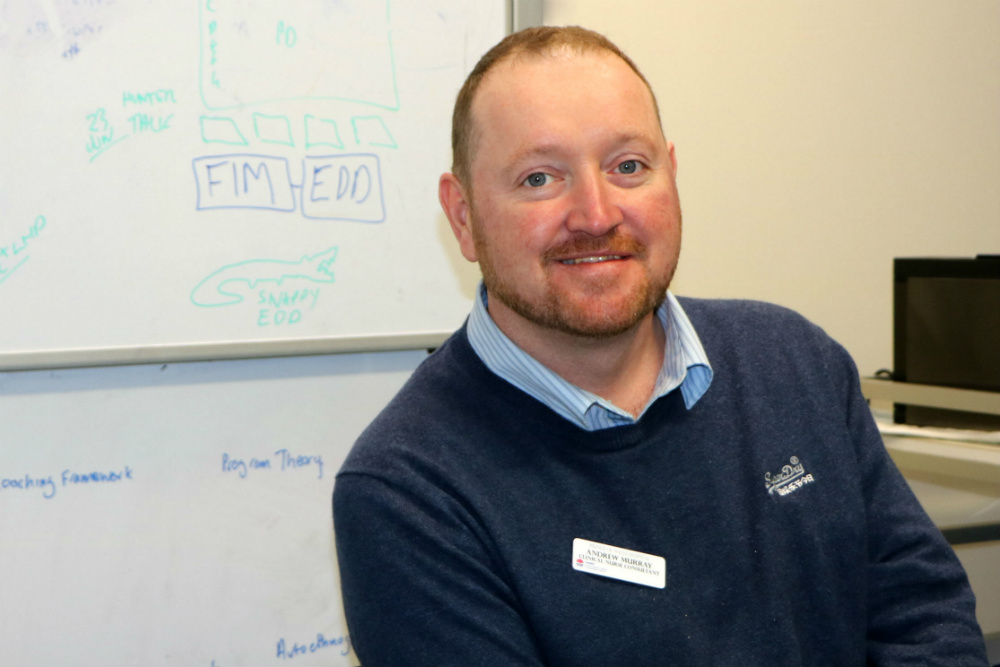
(594, 310)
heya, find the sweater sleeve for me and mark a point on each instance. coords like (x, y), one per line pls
(418, 584)
(921, 610)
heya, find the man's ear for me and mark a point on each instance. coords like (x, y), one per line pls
(457, 207)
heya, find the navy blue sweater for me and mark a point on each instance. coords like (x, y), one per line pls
(456, 511)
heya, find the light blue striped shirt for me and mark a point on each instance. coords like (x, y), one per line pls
(685, 365)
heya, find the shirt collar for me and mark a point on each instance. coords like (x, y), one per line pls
(685, 365)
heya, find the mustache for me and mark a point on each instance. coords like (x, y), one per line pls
(612, 243)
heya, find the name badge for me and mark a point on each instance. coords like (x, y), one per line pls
(605, 560)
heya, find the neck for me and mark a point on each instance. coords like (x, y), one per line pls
(621, 369)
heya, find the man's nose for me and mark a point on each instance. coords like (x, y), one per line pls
(594, 208)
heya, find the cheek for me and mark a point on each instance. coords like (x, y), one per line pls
(522, 231)
(657, 227)
(661, 217)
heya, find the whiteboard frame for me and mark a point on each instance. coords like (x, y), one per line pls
(156, 354)
(520, 14)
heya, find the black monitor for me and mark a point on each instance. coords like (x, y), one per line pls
(946, 331)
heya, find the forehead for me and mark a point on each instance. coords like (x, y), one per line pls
(532, 97)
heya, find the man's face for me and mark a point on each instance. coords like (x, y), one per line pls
(575, 219)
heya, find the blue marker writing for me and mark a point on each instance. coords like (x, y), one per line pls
(290, 461)
(28, 482)
(283, 650)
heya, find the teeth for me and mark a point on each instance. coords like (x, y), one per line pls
(591, 260)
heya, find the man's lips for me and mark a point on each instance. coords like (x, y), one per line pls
(591, 259)
(589, 250)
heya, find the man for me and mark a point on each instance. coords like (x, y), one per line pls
(593, 472)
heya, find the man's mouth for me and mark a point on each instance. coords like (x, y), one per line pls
(614, 246)
(591, 260)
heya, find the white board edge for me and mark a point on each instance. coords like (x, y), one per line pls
(162, 354)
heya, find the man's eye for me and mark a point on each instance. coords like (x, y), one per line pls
(629, 167)
(537, 180)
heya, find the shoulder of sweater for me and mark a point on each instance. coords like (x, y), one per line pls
(438, 375)
(737, 309)
(765, 337)
(448, 383)
(453, 365)
(746, 317)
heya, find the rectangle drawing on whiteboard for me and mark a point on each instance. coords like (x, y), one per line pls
(243, 181)
(343, 187)
(297, 37)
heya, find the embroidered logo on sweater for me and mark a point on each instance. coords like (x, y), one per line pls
(791, 478)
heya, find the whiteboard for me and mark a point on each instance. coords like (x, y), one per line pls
(180, 514)
(221, 178)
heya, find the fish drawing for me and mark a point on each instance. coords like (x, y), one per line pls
(220, 288)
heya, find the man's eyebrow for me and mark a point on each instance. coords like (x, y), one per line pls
(643, 138)
(535, 151)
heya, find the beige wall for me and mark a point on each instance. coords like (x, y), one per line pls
(818, 140)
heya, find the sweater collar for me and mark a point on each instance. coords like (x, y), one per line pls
(685, 366)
